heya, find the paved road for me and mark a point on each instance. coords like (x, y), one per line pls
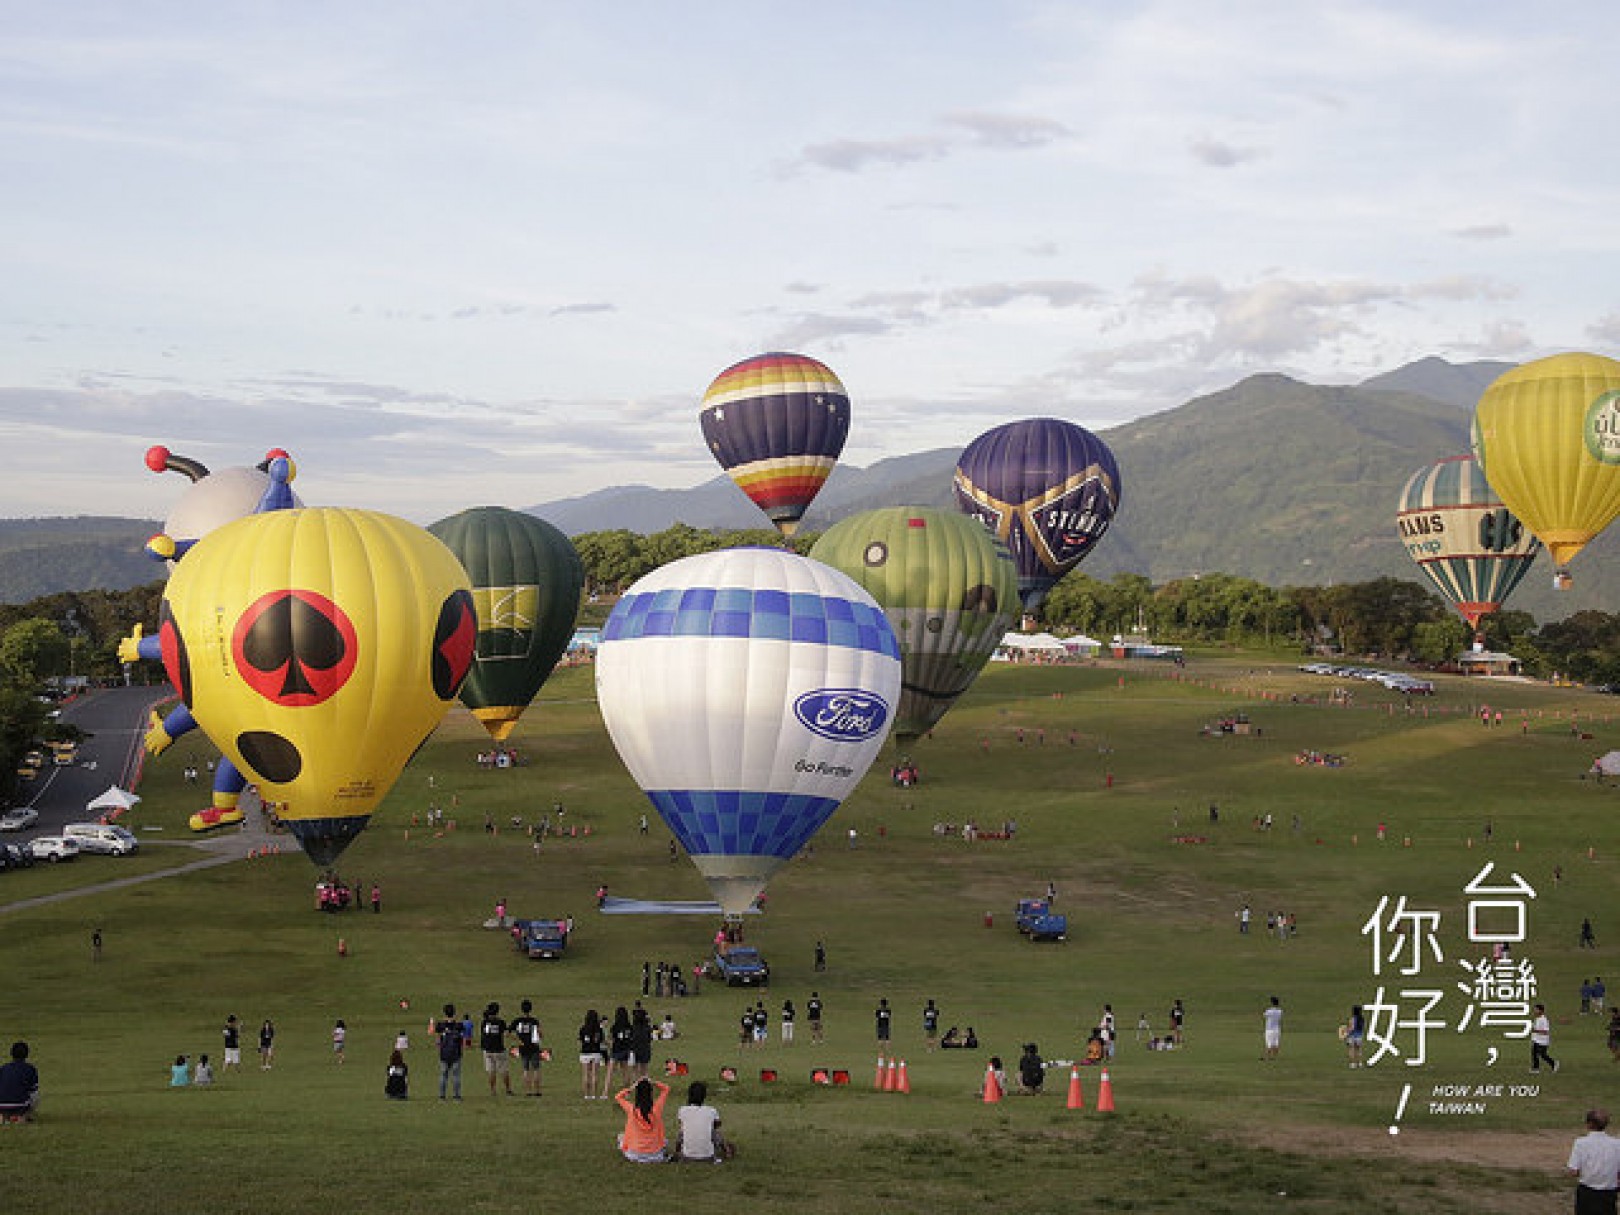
(115, 720)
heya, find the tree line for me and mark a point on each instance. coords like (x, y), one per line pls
(76, 633)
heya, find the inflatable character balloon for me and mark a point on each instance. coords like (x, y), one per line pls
(319, 647)
(213, 500)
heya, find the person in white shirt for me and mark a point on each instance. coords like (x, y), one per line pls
(1540, 1040)
(1273, 1018)
(1595, 1162)
(700, 1139)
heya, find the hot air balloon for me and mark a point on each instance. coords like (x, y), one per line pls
(776, 423)
(526, 580)
(318, 648)
(1046, 488)
(947, 586)
(1457, 530)
(747, 691)
(1547, 435)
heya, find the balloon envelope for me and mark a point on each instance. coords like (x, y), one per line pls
(1547, 435)
(747, 691)
(947, 586)
(777, 423)
(318, 648)
(1046, 488)
(526, 579)
(1457, 530)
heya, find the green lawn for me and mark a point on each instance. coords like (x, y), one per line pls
(904, 916)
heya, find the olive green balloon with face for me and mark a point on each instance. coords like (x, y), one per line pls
(948, 587)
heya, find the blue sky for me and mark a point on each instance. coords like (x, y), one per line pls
(458, 254)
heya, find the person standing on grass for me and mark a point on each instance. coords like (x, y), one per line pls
(812, 1012)
(1177, 1016)
(1273, 1017)
(267, 1045)
(592, 1050)
(527, 1029)
(1355, 1033)
(788, 1013)
(1541, 1040)
(1595, 1161)
(449, 1033)
(233, 1044)
(340, 1038)
(618, 1048)
(492, 1042)
(930, 1020)
(883, 1017)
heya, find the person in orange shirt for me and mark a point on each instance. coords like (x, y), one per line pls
(643, 1138)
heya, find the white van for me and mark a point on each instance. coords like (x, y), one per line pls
(102, 837)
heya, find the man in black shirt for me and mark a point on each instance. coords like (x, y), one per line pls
(527, 1029)
(19, 1085)
(492, 1041)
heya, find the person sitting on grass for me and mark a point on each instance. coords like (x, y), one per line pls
(643, 1139)
(700, 1139)
(1096, 1049)
(1031, 1071)
(19, 1086)
(952, 1039)
(180, 1073)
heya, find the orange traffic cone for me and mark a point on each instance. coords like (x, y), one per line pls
(1105, 1094)
(992, 1090)
(877, 1078)
(1077, 1099)
(903, 1083)
(889, 1077)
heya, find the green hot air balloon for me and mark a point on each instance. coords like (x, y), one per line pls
(948, 587)
(526, 580)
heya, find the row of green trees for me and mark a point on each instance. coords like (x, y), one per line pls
(77, 633)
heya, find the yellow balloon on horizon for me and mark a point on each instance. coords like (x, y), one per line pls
(1547, 435)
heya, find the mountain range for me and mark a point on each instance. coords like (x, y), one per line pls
(1285, 482)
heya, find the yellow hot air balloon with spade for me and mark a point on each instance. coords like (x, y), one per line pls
(1547, 435)
(319, 648)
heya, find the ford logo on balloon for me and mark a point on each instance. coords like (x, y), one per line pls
(842, 714)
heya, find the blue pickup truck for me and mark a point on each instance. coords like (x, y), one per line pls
(1037, 921)
(741, 966)
(540, 938)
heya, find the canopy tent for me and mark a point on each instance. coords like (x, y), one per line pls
(113, 802)
(1608, 765)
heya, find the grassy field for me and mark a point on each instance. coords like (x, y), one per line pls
(1114, 765)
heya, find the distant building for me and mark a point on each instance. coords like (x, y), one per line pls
(1487, 662)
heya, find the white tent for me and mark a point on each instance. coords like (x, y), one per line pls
(114, 801)
(1607, 765)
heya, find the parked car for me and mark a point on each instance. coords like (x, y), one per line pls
(541, 938)
(741, 966)
(15, 856)
(53, 848)
(1037, 921)
(104, 838)
(19, 818)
